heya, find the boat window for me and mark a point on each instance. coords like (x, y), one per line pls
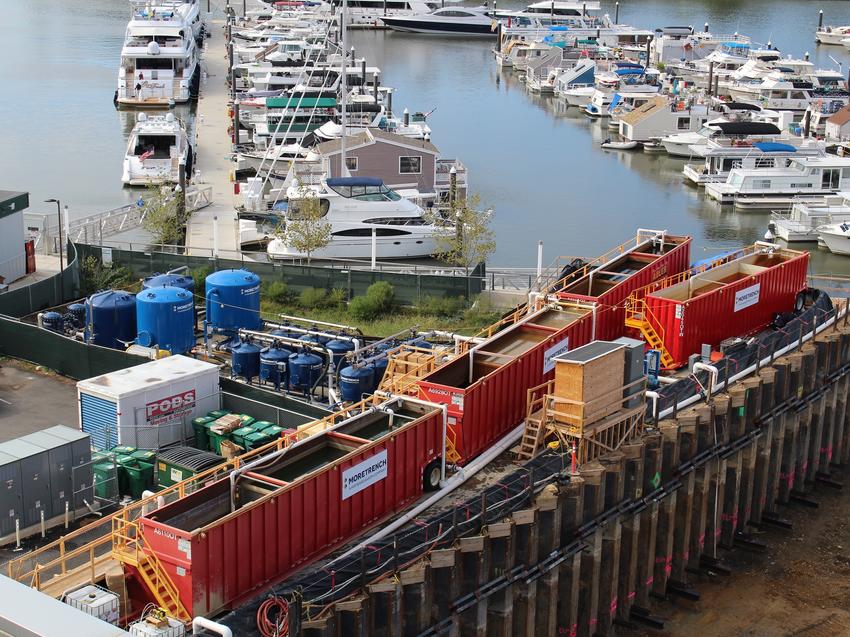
(366, 193)
(351, 163)
(154, 146)
(397, 221)
(761, 183)
(367, 232)
(684, 123)
(151, 64)
(451, 13)
(298, 207)
(410, 165)
(798, 95)
(764, 162)
(830, 178)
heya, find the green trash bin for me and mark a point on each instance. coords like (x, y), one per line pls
(202, 436)
(216, 439)
(105, 480)
(138, 475)
(247, 420)
(259, 425)
(238, 436)
(122, 462)
(218, 413)
(123, 450)
(273, 431)
(256, 439)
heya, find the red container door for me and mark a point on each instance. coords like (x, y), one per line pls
(29, 248)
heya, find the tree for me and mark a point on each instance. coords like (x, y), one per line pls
(305, 229)
(472, 240)
(165, 216)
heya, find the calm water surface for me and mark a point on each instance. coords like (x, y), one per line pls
(535, 161)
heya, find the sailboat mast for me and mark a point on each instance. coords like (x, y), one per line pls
(344, 86)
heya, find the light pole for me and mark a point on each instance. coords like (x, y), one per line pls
(59, 215)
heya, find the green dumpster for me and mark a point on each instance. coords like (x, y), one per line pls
(259, 425)
(256, 439)
(123, 450)
(246, 419)
(218, 413)
(144, 455)
(202, 437)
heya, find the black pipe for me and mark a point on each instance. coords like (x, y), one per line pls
(820, 19)
(710, 76)
(616, 13)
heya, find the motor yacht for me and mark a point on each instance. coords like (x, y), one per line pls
(370, 13)
(358, 209)
(159, 58)
(157, 147)
(836, 237)
(467, 21)
(741, 125)
(832, 35)
(755, 188)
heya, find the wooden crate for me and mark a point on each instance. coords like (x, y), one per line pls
(588, 383)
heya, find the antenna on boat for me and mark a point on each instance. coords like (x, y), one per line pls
(343, 87)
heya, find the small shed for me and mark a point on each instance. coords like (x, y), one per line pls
(838, 126)
(13, 258)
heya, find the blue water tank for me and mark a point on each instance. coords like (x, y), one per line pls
(313, 338)
(340, 348)
(165, 319)
(169, 280)
(77, 314)
(420, 342)
(245, 360)
(53, 321)
(110, 319)
(380, 367)
(274, 365)
(354, 382)
(305, 370)
(233, 300)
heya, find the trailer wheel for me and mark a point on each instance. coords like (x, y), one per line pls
(431, 475)
(799, 301)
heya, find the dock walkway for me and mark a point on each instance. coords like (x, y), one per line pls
(214, 149)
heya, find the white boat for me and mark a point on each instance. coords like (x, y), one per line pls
(832, 35)
(578, 95)
(609, 145)
(740, 133)
(807, 215)
(465, 21)
(157, 147)
(781, 92)
(356, 208)
(159, 59)
(777, 187)
(836, 237)
(369, 13)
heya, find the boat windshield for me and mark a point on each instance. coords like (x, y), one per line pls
(366, 193)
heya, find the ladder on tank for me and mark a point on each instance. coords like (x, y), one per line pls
(637, 317)
(127, 548)
(535, 421)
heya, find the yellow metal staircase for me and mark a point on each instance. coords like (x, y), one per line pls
(637, 314)
(127, 548)
(452, 454)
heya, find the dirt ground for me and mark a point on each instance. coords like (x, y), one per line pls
(31, 400)
(799, 586)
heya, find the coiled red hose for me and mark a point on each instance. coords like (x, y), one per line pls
(272, 617)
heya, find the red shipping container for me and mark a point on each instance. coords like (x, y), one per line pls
(609, 285)
(737, 298)
(486, 389)
(218, 559)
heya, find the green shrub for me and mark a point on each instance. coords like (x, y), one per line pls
(277, 291)
(377, 301)
(312, 298)
(337, 298)
(442, 306)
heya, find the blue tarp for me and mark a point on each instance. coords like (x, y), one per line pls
(774, 147)
(614, 101)
(629, 71)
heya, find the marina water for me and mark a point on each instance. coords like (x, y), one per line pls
(536, 161)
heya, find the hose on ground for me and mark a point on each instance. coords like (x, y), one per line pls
(273, 617)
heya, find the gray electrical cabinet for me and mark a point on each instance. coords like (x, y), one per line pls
(11, 501)
(633, 369)
(35, 479)
(81, 465)
(60, 463)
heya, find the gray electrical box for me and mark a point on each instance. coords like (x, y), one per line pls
(60, 462)
(11, 501)
(633, 370)
(81, 464)
(35, 479)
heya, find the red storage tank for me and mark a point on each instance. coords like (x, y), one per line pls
(319, 494)
(736, 298)
(486, 389)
